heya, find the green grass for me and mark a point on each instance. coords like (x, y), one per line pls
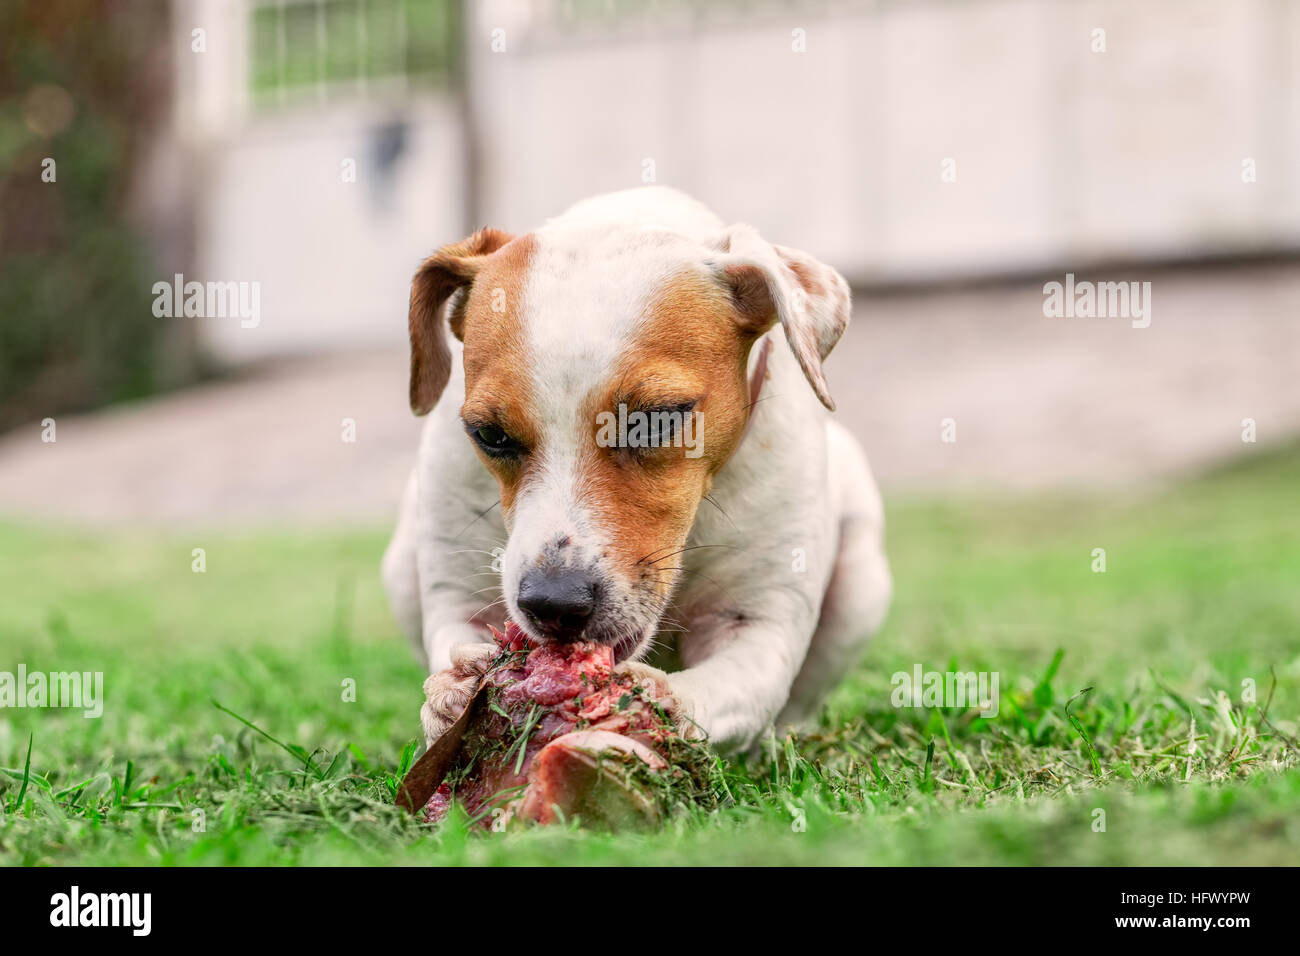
(1201, 594)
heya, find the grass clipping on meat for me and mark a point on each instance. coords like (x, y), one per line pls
(552, 734)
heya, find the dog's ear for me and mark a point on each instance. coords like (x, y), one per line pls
(443, 273)
(770, 283)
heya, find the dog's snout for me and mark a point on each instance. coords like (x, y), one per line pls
(559, 601)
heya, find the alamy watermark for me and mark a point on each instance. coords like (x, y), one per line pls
(658, 428)
(1098, 300)
(209, 300)
(133, 911)
(922, 688)
(81, 690)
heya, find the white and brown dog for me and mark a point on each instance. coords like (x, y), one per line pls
(747, 559)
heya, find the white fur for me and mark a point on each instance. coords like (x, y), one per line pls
(796, 580)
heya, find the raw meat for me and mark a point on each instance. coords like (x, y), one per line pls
(552, 734)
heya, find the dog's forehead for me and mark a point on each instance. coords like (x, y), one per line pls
(588, 297)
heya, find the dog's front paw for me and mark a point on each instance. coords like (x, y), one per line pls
(659, 687)
(447, 692)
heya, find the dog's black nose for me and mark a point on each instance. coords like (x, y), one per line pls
(558, 602)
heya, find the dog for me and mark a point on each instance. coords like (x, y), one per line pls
(737, 579)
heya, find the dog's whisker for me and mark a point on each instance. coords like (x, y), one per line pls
(691, 547)
(694, 547)
(709, 499)
(703, 575)
(648, 554)
(481, 515)
(486, 607)
(487, 538)
(763, 399)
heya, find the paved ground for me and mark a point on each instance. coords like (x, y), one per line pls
(1037, 403)
(1048, 402)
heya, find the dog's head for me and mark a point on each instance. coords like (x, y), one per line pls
(605, 385)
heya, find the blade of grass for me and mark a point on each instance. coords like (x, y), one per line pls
(293, 750)
(27, 773)
(1083, 734)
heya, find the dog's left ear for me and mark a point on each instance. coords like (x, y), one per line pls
(451, 268)
(770, 283)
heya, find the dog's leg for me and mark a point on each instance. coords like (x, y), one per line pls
(457, 528)
(860, 587)
(447, 609)
(765, 649)
(739, 669)
(400, 571)
(446, 613)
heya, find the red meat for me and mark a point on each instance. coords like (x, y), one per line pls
(554, 733)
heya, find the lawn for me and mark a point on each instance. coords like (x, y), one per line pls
(1127, 731)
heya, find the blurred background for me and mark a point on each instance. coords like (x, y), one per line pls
(947, 156)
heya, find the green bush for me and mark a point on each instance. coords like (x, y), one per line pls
(76, 330)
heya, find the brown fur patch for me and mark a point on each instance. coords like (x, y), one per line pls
(752, 297)
(447, 270)
(807, 276)
(690, 348)
(497, 383)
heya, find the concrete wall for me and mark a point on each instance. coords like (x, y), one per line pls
(333, 257)
(1062, 155)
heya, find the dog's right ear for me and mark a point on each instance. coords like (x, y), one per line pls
(450, 268)
(770, 283)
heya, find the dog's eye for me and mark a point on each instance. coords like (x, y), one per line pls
(667, 424)
(494, 441)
